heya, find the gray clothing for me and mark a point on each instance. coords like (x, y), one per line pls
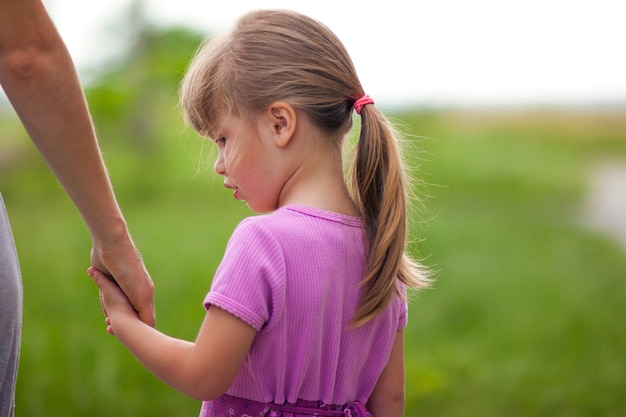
(10, 315)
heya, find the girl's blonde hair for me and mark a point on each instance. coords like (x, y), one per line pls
(278, 55)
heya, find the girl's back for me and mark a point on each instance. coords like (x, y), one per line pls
(294, 276)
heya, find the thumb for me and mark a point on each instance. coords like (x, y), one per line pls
(99, 279)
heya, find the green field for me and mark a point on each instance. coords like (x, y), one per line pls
(526, 317)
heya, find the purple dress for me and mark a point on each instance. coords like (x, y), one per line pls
(294, 276)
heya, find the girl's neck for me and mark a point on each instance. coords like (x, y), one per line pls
(317, 179)
(322, 195)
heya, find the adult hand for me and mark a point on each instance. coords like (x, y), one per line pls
(120, 261)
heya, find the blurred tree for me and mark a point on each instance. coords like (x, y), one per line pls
(132, 96)
(133, 100)
(134, 103)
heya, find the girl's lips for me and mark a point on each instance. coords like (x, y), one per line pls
(235, 190)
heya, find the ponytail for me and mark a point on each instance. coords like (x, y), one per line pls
(379, 184)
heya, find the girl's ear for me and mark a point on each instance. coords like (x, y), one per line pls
(283, 119)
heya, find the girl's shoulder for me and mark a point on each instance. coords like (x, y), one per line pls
(294, 212)
(295, 223)
(300, 213)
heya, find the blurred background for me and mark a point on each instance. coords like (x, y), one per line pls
(515, 119)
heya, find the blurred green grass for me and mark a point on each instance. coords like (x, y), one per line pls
(526, 317)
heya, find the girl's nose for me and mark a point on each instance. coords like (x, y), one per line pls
(219, 167)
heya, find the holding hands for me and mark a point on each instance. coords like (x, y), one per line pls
(120, 261)
(115, 304)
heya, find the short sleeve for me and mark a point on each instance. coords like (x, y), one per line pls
(250, 281)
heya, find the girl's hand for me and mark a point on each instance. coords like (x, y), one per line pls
(115, 304)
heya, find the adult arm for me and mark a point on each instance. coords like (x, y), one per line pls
(203, 369)
(39, 78)
(388, 397)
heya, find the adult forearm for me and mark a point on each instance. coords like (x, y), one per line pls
(38, 76)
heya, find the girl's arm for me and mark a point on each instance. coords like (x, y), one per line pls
(202, 370)
(388, 398)
(39, 78)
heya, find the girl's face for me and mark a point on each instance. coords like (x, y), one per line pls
(247, 161)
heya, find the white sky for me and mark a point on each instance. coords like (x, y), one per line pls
(436, 52)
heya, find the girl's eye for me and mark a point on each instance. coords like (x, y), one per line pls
(220, 140)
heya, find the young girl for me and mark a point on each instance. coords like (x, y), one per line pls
(306, 311)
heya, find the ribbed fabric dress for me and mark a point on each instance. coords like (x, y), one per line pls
(294, 276)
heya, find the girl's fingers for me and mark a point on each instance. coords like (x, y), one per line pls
(98, 277)
(112, 299)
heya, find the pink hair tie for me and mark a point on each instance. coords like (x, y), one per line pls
(358, 105)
